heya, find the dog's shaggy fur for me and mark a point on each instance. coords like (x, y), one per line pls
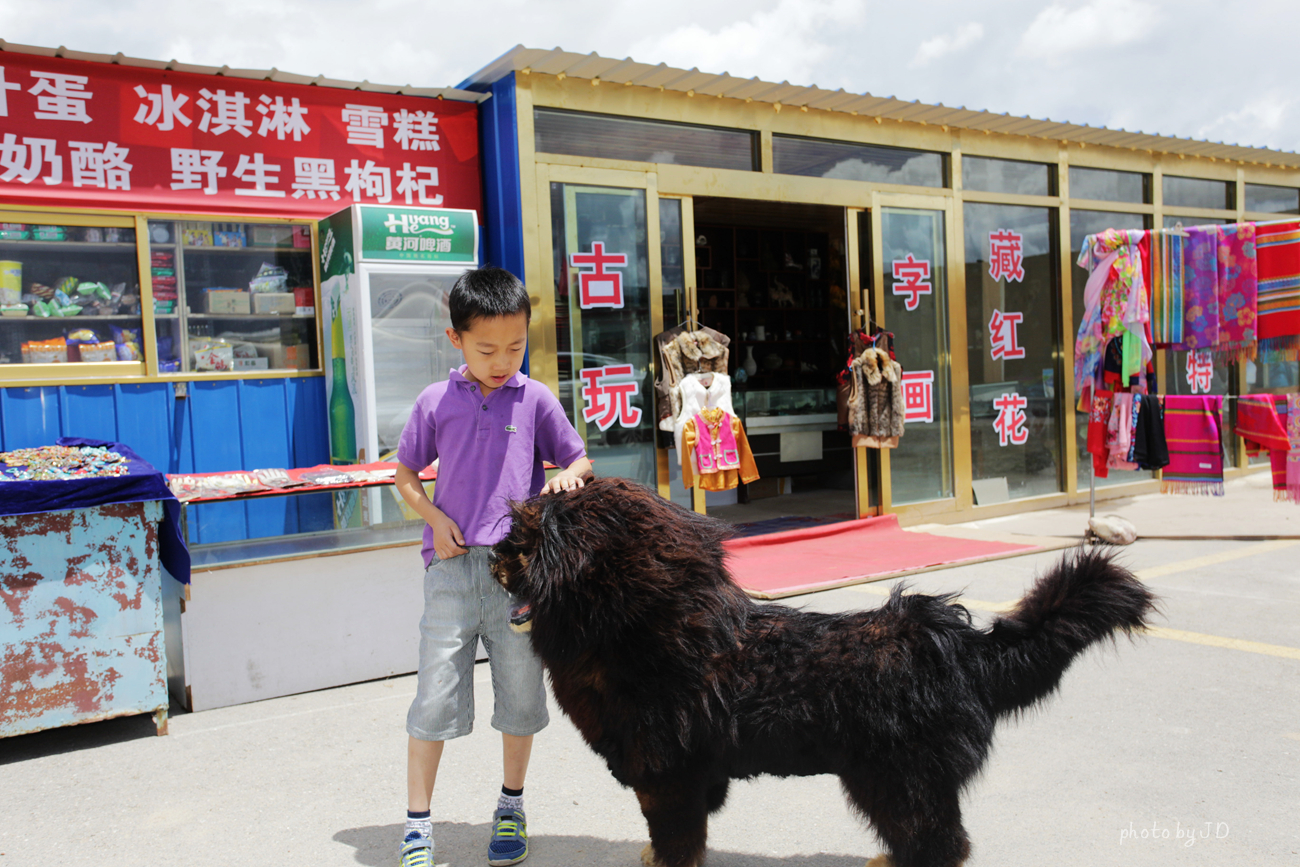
(682, 683)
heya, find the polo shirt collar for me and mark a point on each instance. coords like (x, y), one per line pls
(457, 374)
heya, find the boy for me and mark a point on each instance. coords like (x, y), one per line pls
(491, 426)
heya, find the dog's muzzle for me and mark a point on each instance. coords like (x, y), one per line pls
(521, 617)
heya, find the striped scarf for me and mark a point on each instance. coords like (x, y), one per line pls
(1166, 255)
(1277, 248)
(1195, 452)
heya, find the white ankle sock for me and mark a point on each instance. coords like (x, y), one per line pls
(510, 802)
(423, 827)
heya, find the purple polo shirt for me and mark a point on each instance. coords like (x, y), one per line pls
(491, 450)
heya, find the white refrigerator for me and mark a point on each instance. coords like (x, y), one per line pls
(386, 276)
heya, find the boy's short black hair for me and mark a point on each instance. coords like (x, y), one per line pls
(486, 293)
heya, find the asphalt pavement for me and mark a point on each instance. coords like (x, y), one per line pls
(1181, 748)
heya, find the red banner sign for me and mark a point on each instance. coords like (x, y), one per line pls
(80, 134)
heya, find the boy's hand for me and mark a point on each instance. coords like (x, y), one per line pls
(562, 481)
(448, 541)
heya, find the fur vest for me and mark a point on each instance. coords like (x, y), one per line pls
(876, 408)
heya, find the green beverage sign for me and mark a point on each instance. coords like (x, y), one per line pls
(418, 235)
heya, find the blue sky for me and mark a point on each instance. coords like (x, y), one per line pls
(1193, 69)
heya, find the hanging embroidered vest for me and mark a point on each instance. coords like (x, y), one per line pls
(713, 453)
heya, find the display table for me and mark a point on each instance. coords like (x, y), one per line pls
(264, 618)
(81, 581)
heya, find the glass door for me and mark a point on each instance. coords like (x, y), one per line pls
(909, 247)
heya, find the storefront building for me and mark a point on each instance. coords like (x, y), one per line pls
(634, 197)
(141, 201)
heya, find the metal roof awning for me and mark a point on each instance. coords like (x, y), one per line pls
(271, 74)
(592, 66)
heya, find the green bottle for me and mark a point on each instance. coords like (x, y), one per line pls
(343, 416)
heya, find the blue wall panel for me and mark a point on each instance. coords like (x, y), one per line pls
(90, 411)
(221, 425)
(215, 422)
(265, 439)
(33, 416)
(144, 422)
(309, 440)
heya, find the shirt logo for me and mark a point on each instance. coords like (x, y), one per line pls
(511, 429)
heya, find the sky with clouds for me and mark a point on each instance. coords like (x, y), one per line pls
(1176, 68)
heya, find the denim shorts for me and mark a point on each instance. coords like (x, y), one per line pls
(463, 602)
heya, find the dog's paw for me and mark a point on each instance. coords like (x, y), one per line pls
(881, 861)
(648, 856)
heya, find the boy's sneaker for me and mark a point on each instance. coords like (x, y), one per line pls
(417, 851)
(509, 838)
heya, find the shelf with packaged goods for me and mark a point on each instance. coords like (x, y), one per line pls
(121, 255)
(204, 342)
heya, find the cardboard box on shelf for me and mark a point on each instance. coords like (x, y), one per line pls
(304, 299)
(295, 356)
(273, 302)
(226, 301)
(272, 235)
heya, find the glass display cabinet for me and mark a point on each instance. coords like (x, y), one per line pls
(233, 296)
(70, 294)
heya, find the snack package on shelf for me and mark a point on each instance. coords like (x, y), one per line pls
(95, 352)
(19, 309)
(45, 351)
(196, 234)
(11, 282)
(269, 278)
(128, 343)
(212, 353)
(14, 232)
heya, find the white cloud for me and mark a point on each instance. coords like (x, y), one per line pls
(1058, 32)
(936, 47)
(784, 43)
(1260, 120)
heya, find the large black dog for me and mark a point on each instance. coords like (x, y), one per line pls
(682, 683)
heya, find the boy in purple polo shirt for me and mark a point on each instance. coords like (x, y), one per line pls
(491, 427)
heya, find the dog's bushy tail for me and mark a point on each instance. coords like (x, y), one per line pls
(1084, 599)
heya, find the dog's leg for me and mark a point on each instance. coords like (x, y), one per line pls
(922, 831)
(677, 816)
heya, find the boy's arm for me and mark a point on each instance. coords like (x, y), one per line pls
(447, 539)
(571, 477)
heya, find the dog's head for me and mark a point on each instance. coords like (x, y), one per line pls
(587, 565)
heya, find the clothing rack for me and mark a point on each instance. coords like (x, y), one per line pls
(1092, 479)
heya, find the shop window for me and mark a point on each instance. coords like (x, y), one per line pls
(69, 294)
(1013, 340)
(1109, 186)
(1197, 193)
(647, 141)
(1268, 199)
(916, 311)
(848, 161)
(1008, 176)
(1083, 224)
(1178, 222)
(603, 334)
(233, 296)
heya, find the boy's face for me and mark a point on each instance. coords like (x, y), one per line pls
(493, 348)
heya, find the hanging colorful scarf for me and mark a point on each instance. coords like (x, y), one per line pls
(1278, 249)
(1115, 305)
(1238, 283)
(1195, 453)
(1150, 450)
(1293, 454)
(1258, 424)
(1167, 308)
(1120, 433)
(1098, 422)
(1277, 458)
(1200, 288)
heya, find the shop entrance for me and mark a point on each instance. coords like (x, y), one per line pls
(774, 278)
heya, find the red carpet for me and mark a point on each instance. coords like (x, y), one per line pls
(850, 552)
